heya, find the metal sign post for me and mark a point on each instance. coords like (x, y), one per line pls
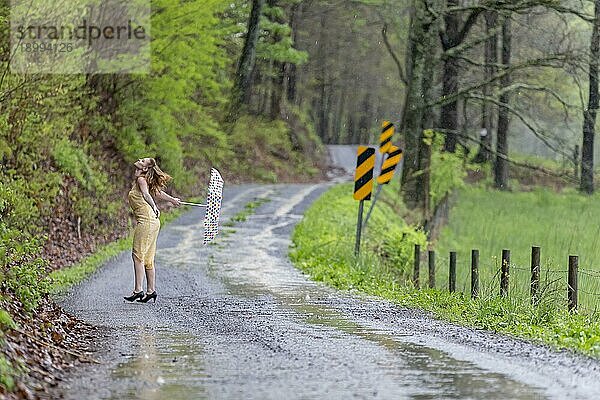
(373, 204)
(363, 185)
(359, 227)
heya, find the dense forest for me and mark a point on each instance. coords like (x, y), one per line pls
(256, 88)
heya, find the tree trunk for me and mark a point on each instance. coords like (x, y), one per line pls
(338, 118)
(425, 151)
(449, 114)
(277, 73)
(242, 85)
(277, 97)
(323, 121)
(452, 36)
(321, 126)
(589, 115)
(290, 74)
(268, 88)
(352, 130)
(491, 57)
(364, 123)
(421, 43)
(501, 167)
(329, 115)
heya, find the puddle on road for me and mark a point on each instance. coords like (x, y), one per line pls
(431, 372)
(424, 371)
(434, 371)
(167, 365)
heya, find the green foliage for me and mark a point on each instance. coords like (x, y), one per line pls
(180, 101)
(75, 162)
(16, 208)
(324, 242)
(7, 373)
(448, 170)
(266, 150)
(91, 198)
(276, 43)
(6, 320)
(302, 134)
(21, 272)
(27, 282)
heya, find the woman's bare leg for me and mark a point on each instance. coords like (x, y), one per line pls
(138, 268)
(150, 280)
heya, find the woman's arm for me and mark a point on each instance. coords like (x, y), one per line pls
(164, 196)
(146, 194)
(131, 214)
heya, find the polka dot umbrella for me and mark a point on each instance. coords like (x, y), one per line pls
(213, 206)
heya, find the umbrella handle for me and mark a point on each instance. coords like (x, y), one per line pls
(193, 204)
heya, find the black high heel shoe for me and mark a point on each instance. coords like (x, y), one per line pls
(135, 295)
(147, 297)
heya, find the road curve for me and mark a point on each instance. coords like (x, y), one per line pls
(236, 320)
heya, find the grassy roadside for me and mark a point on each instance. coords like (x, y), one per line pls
(323, 248)
(561, 224)
(324, 243)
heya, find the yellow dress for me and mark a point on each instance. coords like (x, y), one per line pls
(146, 229)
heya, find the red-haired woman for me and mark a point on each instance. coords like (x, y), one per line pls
(149, 183)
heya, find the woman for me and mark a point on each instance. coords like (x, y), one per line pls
(149, 181)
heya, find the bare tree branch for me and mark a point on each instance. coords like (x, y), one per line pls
(391, 51)
(536, 130)
(566, 177)
(539, 62)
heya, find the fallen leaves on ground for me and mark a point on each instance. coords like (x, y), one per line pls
(47, 343)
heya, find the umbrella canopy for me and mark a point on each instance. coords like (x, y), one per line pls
(213, 206)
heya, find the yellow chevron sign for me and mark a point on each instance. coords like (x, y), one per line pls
(385, 140)
(389, 165)
(363, 177)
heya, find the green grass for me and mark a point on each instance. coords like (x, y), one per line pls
(323, 248)
(561, 224)
(65, 278)
(248, 210)
(324, 241)
(547, 163)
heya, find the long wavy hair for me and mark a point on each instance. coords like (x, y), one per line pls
(157, 179)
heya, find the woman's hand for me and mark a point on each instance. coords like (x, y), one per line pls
(157, 212)
(176, 201)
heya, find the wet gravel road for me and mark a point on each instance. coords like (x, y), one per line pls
(236, 320)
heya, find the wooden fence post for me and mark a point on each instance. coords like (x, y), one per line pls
(452, 274)
(431, 259)
(417, 265)
(474, 274)
(572, 284)
(505, 273)
(535, 274)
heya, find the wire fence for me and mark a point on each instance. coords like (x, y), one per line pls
(570, 287)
